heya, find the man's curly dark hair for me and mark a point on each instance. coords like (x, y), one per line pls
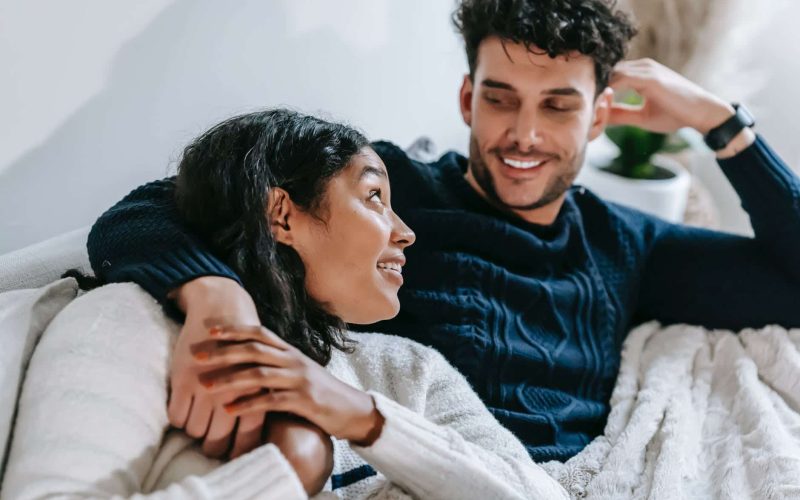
(595, 28)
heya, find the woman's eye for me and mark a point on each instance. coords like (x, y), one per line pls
(375, 195)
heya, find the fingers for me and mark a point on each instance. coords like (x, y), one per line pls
(249, 378)
(220, 433)
(640, 82)
(276, 400)
(640, 75)
(248, 435)
(238, 333)
(246, 352)
(178, 410)
(623, 114)
(200, 416)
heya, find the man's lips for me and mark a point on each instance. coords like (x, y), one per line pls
(521, 164)
(522, 167)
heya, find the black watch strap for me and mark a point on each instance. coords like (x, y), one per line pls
(719, 137)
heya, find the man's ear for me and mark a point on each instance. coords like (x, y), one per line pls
(602, 112)
(465, 100)
(280, 210)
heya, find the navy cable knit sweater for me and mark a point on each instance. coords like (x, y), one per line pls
(534, 316)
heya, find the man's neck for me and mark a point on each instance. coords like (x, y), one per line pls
(543, 216)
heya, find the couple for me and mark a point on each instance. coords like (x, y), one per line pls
(525, 284)
(301, 209)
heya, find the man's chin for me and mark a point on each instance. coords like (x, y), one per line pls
(520, 196)
(518, 204)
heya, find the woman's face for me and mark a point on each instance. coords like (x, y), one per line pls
(353, 249)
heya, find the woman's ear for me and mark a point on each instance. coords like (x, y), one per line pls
(280, 210)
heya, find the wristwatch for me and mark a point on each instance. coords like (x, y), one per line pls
(719, 137)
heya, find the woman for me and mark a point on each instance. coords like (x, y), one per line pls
(300, 208)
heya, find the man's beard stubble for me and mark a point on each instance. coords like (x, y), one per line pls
(557, 186)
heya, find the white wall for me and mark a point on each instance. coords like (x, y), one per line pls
(773, 57)
(99, 96)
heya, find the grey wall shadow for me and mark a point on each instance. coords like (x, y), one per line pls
(191, 51)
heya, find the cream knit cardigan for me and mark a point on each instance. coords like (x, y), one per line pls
(92, 421)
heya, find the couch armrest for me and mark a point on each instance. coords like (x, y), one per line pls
(39, 264)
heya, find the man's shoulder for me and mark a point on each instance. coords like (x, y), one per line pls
(399, 162)
(413, 181)
(600, 216)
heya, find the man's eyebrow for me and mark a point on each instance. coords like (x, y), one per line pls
(494, 84)
(561, 91)
(370, 169)
(565, 91)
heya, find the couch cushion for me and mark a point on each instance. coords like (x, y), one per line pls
(24, 315)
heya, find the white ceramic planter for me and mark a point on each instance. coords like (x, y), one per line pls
(665, 198)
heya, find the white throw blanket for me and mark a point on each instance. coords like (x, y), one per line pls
(697, 414)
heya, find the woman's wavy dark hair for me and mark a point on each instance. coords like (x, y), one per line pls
(222, 186)
(594, 28)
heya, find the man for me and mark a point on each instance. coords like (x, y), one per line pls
(525, 283)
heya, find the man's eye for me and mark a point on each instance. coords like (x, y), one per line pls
(375, 195)
(557, 108)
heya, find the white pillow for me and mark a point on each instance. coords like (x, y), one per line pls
(24, 315)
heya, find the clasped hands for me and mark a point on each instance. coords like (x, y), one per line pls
(236, 385)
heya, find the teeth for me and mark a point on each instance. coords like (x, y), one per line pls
(521, 164)
(391, 266)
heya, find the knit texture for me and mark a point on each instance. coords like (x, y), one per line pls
(697, 414)
(534, 316)
(92, 422)
(93, 412)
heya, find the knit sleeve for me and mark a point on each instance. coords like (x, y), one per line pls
(92, 415)
(143, 239)
(456, 449)
(720, 280)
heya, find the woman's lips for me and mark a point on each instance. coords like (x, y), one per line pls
(392, 274)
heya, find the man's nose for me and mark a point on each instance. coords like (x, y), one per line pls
(527, 133)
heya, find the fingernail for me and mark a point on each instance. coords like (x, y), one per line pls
(201, 356)
(215, 331)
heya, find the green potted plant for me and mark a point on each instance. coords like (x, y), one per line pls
(641, 174)
(636, 150)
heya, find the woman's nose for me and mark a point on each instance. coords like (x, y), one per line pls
(402, 234)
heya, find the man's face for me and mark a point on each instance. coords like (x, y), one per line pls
(531, 117)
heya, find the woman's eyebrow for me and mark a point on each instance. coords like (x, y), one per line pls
(369, 169)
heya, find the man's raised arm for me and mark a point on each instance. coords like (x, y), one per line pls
(711, 278)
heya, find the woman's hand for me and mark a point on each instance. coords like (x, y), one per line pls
(190, 406)
(286, 381)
